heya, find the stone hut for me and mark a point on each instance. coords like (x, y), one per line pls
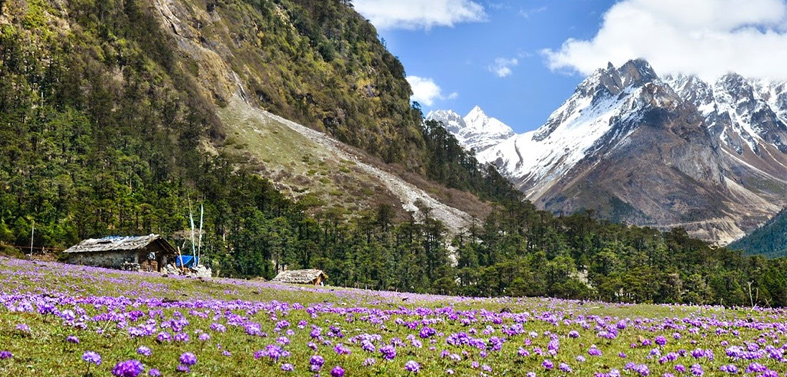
(313, 277)
(136, 253)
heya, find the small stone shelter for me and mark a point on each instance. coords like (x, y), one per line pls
(138, 253)
(313, 277)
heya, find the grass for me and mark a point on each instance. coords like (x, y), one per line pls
(328, 177)
(113, 313)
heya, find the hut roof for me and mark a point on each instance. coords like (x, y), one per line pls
(97, 245)
(299, 276)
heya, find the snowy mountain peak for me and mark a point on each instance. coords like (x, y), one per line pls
(637, 72)
(663, 152)
(452, 121)
(476, 113)
(476, 130)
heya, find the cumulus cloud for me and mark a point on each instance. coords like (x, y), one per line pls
(419, 14)
(426, 91)
(708, 38)
(503, 67)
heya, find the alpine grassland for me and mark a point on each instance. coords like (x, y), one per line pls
(58, 320)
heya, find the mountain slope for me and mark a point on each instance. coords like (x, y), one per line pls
(114, 115)
(770, 240)
(662, 153)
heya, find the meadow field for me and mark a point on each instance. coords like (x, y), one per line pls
(66, 320)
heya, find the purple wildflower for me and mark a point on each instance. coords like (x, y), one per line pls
(154, 373)
(128, 368)
(548, 365)
(144, 351)
(5, 355)
(188, 358)
(91, 357)
(337, 371)
(287, 367)
(388, 352)
(412, 366)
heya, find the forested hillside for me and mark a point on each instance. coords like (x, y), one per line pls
(109, 126)
(769, 240)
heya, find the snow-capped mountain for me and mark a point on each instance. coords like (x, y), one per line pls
(660, 152)
(476, 131)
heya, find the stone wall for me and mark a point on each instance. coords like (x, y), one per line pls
(118, 259)
(110, 259)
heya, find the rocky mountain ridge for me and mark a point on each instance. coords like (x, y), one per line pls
(660, 152)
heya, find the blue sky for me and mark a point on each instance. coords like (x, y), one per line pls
(519, 60)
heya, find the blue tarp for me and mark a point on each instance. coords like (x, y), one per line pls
(188, 260)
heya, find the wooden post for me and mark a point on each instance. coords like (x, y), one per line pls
(32, 237)
(181, 259)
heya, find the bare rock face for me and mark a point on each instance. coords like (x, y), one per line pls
(636, 148)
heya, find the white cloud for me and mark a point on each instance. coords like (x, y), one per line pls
(704, 37)
(419, 14)
(426, 91)
(527, 13)
(503, 67)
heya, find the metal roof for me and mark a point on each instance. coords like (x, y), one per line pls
(299, 276)
(96, 245)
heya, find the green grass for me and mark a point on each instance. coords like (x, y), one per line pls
(279, 146)
(157, 300)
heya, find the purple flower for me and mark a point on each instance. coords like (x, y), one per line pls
(204, 337)
(369, 361)
(341, 349)
(412, 366)
(91, 357)
(565, 368)
(72, 339)
(183, 368)
(337, 371)
(756, 368)
(287, 367)
(593, 351)
(388, 352)
(731, 369)
(188, 358)
(144, 351)
(5, 355)
(23, 328)
(154, 373)
(128, 368)
(163, 337)
(548, 365)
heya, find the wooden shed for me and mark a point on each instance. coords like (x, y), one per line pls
(313, 277)
(137, 253)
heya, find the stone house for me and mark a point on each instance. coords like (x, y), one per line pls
(137, 253)
(313, 277)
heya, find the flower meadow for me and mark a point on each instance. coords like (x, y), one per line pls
(63, 320)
